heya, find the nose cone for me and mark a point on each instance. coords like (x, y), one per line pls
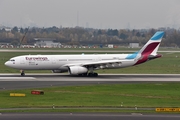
(7, 63)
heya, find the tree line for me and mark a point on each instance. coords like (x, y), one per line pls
(88, 36)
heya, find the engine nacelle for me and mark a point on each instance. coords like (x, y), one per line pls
(75, 70)
(59, 71)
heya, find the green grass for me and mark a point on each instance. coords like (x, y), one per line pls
(80, 110)
(113, 95)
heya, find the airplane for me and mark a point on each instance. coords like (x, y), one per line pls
(85, 64)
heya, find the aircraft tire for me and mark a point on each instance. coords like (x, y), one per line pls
(95, 74)
(22, 74)
(92, 74)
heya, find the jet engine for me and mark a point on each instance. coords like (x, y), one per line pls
(75, 70)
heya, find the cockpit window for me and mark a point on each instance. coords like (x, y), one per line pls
(12, 60)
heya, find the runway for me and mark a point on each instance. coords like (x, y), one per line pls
(101, 77)
(15, 81)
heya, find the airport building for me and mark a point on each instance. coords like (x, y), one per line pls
(134, 45)
(46, 43)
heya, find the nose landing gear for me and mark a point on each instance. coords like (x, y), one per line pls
(22, 72)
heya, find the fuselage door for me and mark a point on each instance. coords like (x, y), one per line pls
(53, 60)
(22, 60)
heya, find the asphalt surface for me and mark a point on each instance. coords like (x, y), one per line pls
(15, 81)
(87, 116)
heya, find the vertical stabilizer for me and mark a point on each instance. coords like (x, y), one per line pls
(149, 50)
(151, 47)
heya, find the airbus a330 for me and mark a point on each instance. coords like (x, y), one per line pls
(85, 64)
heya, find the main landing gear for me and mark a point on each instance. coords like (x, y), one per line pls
(22, 72)
(88, 74)
(92, 74)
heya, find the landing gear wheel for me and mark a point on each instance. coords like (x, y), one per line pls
(22, 73)
(95, 74)
(92, 74)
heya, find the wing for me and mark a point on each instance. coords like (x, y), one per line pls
(97, 64)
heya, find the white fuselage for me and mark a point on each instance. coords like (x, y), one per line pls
(55, 62)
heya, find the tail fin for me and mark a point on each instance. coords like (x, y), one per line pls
(149, 50)
(151, 47)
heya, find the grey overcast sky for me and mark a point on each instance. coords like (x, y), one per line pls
(101, 14)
